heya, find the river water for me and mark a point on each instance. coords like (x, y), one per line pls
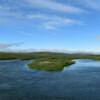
(80, 81)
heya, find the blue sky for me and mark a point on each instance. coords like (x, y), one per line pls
(71, 25)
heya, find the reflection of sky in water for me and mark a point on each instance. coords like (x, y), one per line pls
(84, 65)
(80, 81)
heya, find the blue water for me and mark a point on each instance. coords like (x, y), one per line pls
(80, 81)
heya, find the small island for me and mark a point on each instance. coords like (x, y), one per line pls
(50, 64)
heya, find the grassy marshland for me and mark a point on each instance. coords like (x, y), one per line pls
(49, 61)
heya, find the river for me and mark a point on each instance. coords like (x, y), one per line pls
(80, 81)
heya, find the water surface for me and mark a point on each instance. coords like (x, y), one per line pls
(80, 81)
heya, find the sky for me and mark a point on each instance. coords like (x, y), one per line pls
(63, 25)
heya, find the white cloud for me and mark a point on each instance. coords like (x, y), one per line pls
(52, 22)
(8, 45)
(55, 23)
(94, 4)
(91, 4)
(45, 21)
(55, 6)
(7, 13)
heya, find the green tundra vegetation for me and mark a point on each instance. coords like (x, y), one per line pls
(50, 64)
(49, 61)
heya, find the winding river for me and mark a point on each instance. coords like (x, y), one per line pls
(80, 81)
